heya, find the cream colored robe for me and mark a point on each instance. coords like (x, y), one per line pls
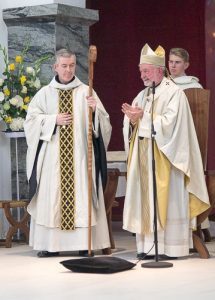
(44, 208)
(177, 144)
(187, 82)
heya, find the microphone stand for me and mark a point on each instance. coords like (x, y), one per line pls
(156, 263)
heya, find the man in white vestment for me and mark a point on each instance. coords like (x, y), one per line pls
(56, 129)
(178, 64)
(180, 182)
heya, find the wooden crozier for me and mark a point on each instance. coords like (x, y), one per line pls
(91, 60)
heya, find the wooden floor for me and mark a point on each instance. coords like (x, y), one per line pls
(24, 276)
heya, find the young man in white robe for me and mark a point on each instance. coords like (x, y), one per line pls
(46, 130)
(178, 64)
(179, 61)
(181, 188)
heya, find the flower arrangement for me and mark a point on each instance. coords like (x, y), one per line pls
(19, 85)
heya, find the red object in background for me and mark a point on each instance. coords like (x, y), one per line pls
(124, 27)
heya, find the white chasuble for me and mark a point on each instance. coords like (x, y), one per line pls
(181, 188)
(45, 207)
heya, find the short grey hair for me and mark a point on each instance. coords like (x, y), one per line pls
(63, 53)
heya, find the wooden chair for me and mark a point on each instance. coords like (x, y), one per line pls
(199, 105)
(14, 224)
(109, 198)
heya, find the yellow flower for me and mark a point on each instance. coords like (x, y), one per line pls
(7, 92)
(23, 79)
(11, 67)
(8, 120)
(25, 107)
(18, 59)
(26, 99)
(18, 87)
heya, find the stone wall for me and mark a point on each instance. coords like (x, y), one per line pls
(47, 28)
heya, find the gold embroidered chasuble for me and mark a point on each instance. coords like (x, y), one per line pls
(175, 146)
(162, 173)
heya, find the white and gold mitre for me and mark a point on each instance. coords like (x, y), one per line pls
(148, 56)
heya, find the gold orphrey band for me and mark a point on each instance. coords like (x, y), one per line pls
(67, 164)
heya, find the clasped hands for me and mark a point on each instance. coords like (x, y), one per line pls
(134, 113)
(64, 119)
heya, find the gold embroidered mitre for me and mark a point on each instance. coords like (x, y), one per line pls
(148, 56)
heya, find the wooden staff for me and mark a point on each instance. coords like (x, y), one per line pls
(91, 60)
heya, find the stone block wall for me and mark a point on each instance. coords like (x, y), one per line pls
(47, 28)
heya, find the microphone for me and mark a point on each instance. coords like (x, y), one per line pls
(153, 87)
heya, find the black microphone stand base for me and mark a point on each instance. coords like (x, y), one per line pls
(157, 264)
